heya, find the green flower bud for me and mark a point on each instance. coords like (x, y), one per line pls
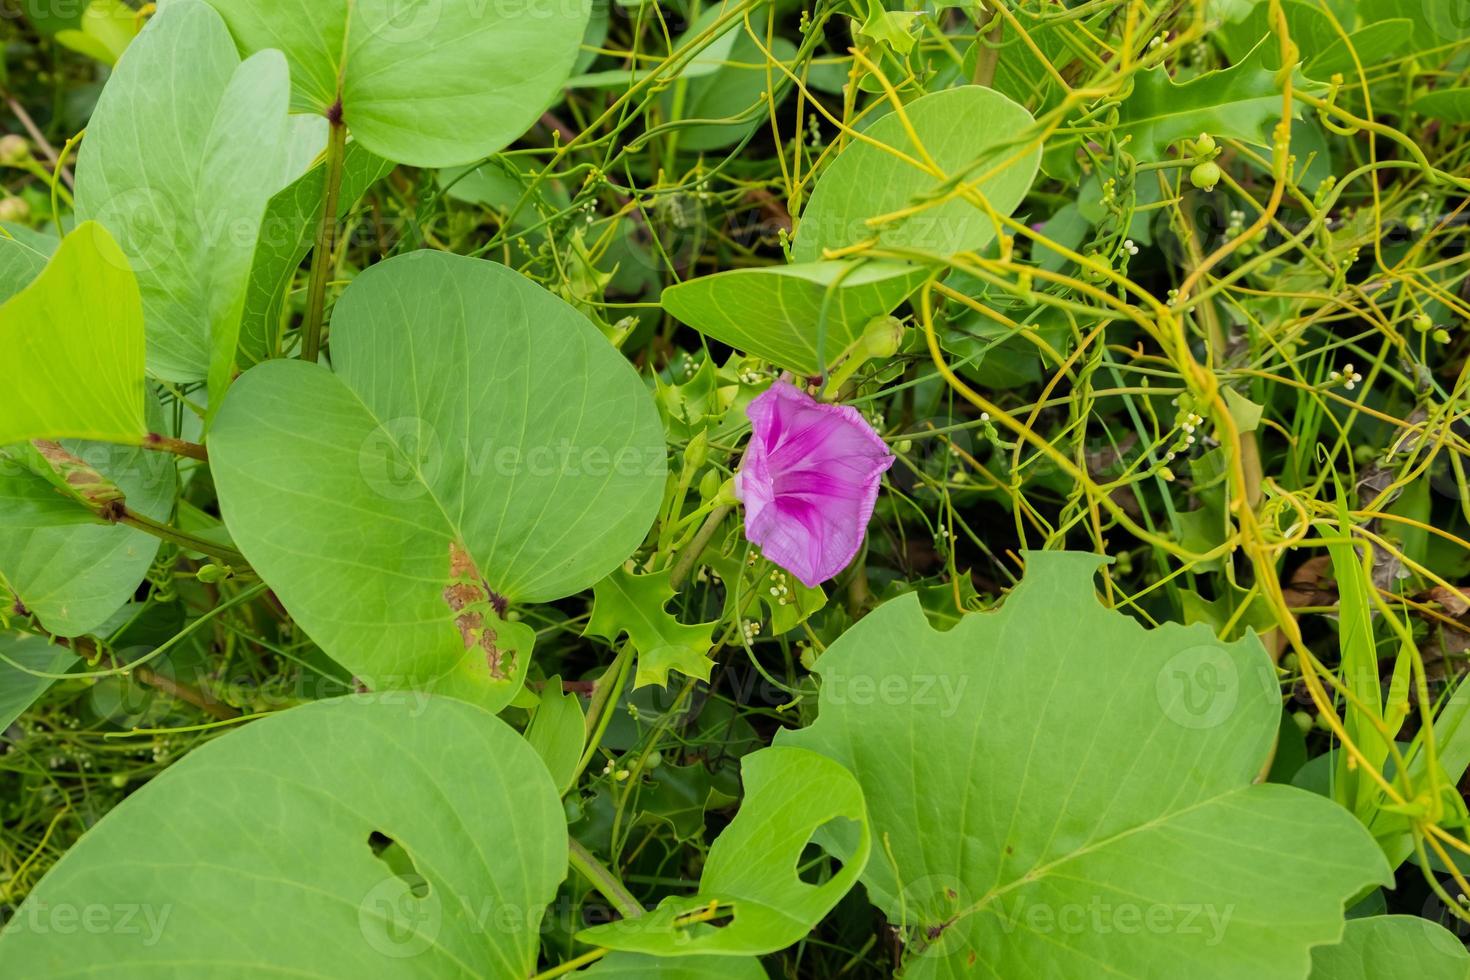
(1441, 336)
(14, 209)
(1205, 176)
(1205, 144)
(211, 573)
(697, 451)
(881, 337)
(709, 484)
(14, 150)
(1303, 721)
(1422, 323)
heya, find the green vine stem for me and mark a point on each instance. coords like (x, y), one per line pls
(602, 879)
(184, 539)
(326, 237)
(695, 548)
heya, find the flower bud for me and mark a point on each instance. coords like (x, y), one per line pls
(14, 209)
(881, 337)
(1422, 323)
(697, 451)
(1205, 144)
(1441, 336)
(709, 484)
(14, 150)
(1205, 176)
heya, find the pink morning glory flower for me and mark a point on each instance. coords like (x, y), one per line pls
(809, 480)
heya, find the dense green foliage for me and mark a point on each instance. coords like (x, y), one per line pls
(379, 594)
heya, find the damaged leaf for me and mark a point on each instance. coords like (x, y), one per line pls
(477, 444)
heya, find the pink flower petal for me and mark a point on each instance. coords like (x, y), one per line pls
(809, 479)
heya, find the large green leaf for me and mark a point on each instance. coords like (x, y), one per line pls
(186, 146)
(287, 233)
(1392, 947)
(432, 83)
(73, 343)
(56, 559)
(1058, 787)
(776, 312)
(24, 661)
(258, 856)
(479, 443)
(750, 874)
(968, 133)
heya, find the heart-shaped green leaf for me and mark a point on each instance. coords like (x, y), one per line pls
(1392, 947)
(433, 83)
(186, 146)
(1058, 787)
(478, 443)
(73, 342)
(410, 836)
(776, 312)
(750, 880)
(970, 133)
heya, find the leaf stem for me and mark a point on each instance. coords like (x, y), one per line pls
(88, 650)
(168, 444)
(604, 695)
(183, 539)
(326, 237)
(695, 548)
(601, 878)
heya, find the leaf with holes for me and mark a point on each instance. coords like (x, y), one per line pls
(1058, 787)
(750, 899)
(188, 227)
(636, 605)
(410, 836)
(478, 443)
(433, 84)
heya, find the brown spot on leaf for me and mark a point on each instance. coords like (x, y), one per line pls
(463, 595)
